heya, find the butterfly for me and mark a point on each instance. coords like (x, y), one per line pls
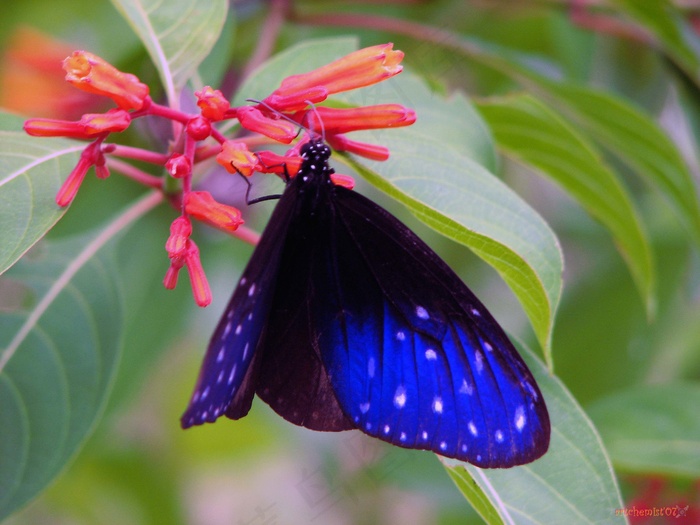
(344, 319)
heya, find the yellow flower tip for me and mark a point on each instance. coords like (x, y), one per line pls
(93, 74)
(237, 158)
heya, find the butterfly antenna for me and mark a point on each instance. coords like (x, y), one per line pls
(279, 113)
(318, 117)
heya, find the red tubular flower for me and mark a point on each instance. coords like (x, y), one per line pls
(91, 124)
(94, 75)
(237, 158)
(198, 280)
(89, 157)
(346, 181)
(70, 187)
(369, 151)
(170, 279)
(180, 231)
(253, 119)
(202, 206)
(212, 103)
(178, 166)
(199, 128)
(271, 162)
(335, 120)
(189, 256)
(362, 68)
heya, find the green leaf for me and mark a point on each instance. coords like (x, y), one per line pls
(637, 140)
(572, 483)
(60, 341)
(665, 22)
(530, 132)
(609, 121)
(31, 172)
(178, 35)
(435, 171)
(652, 429)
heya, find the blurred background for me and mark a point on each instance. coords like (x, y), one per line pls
(139, 467)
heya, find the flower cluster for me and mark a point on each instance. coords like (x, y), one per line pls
(276, 118)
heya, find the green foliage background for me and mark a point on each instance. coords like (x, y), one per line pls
(535, 139)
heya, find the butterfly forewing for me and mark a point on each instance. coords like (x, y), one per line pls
(415, 359)
(226, 382)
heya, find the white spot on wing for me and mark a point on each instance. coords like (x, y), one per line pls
(437, 405)
(488, 347)
(424, 435)
(238, 329)
(220, 355)
(227, 329)
(400, 335)
(232, 374)
(251, 290)
(422, 313)
(400, 397)
(443, 445)
(479, 359)
(402, 437)
(430, 354)
(499, 436)
(364, 408)
(466, 388)
(205, 393)
(472, 428)
(387, 429)
(520, 419)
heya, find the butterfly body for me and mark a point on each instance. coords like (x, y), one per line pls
(345, 319)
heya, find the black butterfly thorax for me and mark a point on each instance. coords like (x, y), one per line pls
(312, 185)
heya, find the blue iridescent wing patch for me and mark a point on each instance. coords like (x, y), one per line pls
(415, 358)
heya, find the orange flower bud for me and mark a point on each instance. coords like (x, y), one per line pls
(336, 120)
(346, 181)
(198, 279)
(91, 124)
(237, 158)
(94, 75)
(180, 231)
(202, 206)
(368, 151)
(277, 129)
(70, 187)
(212, 103)
(271, 162)
(362, 68)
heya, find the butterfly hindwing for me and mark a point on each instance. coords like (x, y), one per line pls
(414, 358)
(227, 381)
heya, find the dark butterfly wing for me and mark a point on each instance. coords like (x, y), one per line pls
(414, 358)
(226, 382)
